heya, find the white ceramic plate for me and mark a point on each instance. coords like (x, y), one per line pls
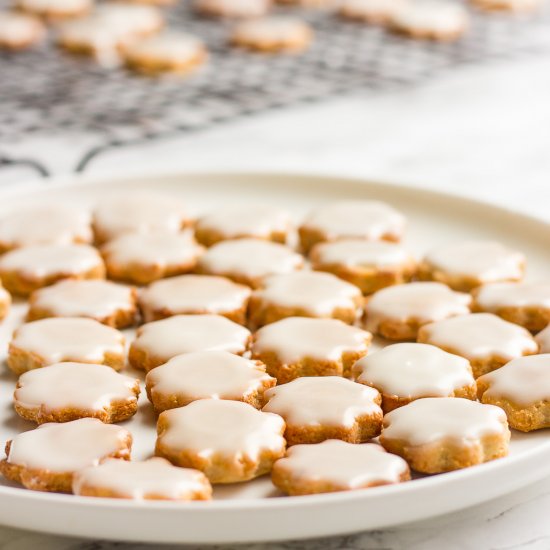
(254, 511)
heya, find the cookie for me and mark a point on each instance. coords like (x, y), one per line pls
(369, 265)
(368, 220)
(543, 340)
(512, 6)
(58, 339)
(109, 303)
(47, 458)
(5, 302)
(194, 294)
(55, 10)
(405, 372)
(437, 435)
(305, 294)
(374, 12)
(317, 408)
(466, 265)
(526, 304)
(484, 339)
(335, 465)
(207, 374)
(25, 270)
(298, 346)
(19, 31)
(398, 312)
(249, 261)
(153, 479)
(67, 391)
(158, 342)
(273, 34)
(236, 222)
(227, 440)
(238, 9)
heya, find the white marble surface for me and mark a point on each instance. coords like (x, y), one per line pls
(481, 131)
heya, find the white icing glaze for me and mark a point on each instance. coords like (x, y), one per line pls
(66, 447)
(64, 7)
(322, 400)
(169, 46)
(371, 8)
(414, 370)
(494, 296)
(272, 29)
(431, 16)
(480, 336)
(543, 340)
(59, 339)
(437, 419)
(17, 28)
(296, 338)
(233, 8)
(155, 478)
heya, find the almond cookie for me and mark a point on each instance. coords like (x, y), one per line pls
(158, 342)
(375, 12)
(305, 294)
(236, 222)
(522, 389)
(5, 302)
(437, 435)
(298, 346)
(109, 303)
(153, 479)
(47, 458)
(25, 270)
(368, 220)
(484, 339)
(195, 294)
(56, 340)
(466, 265)
(207, 374)
(526, 304)
(229, 441)
(512, 6)
(335, 465)
(241, 9)
(397, 312)
(19, 31)
(405, 372)
(67, 391)
(56, 10)
(249, 261)
(543, 340)
(317, 408)
(370, 265)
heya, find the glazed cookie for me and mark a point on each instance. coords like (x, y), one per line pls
(397, 312)
(249, 261)
(317, 408)
(47, 458)
(236, 222)
(109, 303)
(5, 302)
(273, 34)
(153, 479)
(298, 346)
(25, 270)
(484, 339)
(405, 372)
(305, 294)
(335, 465)
(375, 12)
(19, 31)
(195, 294)
(158, 342)
(227, 440)
(55, 340)
(437, 435)
(370, 265)
(369, 220)
(67, 391)
(543, 340)
(522, 389)
(207, 374)
(242, 9)
(526, 304)
(513, 6)
(466, 265)
(56, 10)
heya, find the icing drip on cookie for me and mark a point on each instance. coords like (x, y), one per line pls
(499, 295)
(543, 340)
(430, 15)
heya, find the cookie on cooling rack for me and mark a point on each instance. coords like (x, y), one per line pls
(511, 6)
(153, 479)
(67, 391)
(159, 341)
(56, 10)
(47, 458)
(238, 9)
(487, 341)
(207, 374)
(374, 12)
(397, 312)
(27, 269)
(5, 302)
(229, 441)
(336, 465)
(58, 339)
(317, 408)
(19, 31)
(543, 340)
(370, 265)
(299, 346)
